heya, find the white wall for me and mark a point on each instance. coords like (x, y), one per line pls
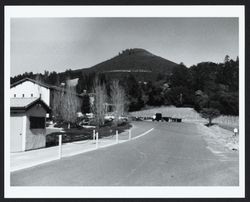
(27, 88)
(17, 132)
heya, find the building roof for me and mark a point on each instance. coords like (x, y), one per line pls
(23, 104)
(51, 87)
(31, 80)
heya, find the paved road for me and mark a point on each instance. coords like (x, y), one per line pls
(173, 154)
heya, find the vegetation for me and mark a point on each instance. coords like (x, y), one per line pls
(79, 134)
(85, 107)
(210, 114)
(70, 105)
(118, 100)
(65, 105)
(99, 108)
(57, 105)
(205, 85)
(188, 115)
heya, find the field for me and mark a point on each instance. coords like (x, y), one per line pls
(187, 115)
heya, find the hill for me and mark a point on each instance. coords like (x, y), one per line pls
(138, 62)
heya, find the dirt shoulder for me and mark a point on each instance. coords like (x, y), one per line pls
(216, 135)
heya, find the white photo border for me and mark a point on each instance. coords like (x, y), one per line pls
(125, 192)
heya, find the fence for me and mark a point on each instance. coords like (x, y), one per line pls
(96, 140)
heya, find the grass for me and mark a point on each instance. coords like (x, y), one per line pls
(188, 115)
(228, 120)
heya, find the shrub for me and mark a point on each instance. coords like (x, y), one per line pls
(210, 114)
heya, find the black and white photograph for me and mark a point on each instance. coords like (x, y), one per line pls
(124, 101)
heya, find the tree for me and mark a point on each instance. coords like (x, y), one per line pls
(118, 99)
(155, 95)
(99, 108)
(70, 105)
(201, 100)
(180, 76)
(210, 114)
(226, 59)
(85, 108)
(57, 97)
(134, 92)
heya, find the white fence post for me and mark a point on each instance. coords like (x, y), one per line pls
(93, 135)
(116, 136)
(129, 134)
(235, 131)
(60, 147)
(97, 137)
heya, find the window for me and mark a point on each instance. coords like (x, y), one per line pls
(37, 122)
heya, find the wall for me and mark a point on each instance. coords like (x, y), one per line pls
(16, 128)
(35, 138)
(27, 88)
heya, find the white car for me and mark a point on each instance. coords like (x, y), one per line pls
(109, 117)
(90, 115)
(123, 118)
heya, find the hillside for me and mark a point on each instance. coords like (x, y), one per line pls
(142, 64)
(137, 61)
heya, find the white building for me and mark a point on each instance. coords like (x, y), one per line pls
(29, 88)
(27, 124)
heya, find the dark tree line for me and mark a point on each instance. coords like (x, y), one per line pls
(51, 78)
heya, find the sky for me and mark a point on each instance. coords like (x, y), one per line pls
(57, 44)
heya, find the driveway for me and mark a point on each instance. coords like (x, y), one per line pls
(173, 154)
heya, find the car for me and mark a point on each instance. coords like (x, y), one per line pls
(109, 117)
(157, 117)
(90, 115)
(123, 118)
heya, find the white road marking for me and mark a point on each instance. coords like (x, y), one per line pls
(145, 133)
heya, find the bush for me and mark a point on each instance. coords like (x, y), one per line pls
(210, 114)
(79, 134)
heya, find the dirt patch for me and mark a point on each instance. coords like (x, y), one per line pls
(215, 135)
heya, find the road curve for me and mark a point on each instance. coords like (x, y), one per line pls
(173, 154)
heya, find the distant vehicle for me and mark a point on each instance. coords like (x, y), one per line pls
(79, 114)
(123, 118)
(109, 117)
(90, 115)
(49, 123)
(157, 117)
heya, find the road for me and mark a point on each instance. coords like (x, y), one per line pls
(173, 154)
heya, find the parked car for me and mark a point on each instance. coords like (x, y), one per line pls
(109, 117)
(157, 117)
(90, 115)
(123, 118)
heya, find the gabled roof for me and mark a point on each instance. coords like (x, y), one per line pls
(23, 104)
(31, 80)
(51, 87)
